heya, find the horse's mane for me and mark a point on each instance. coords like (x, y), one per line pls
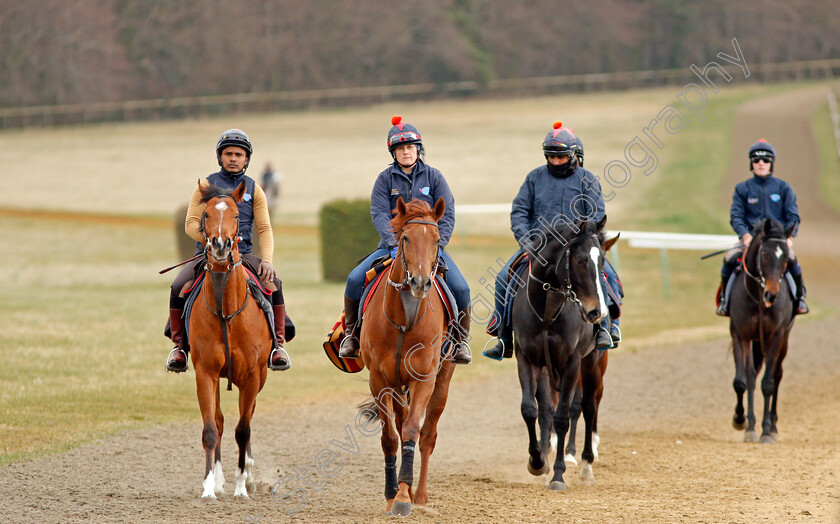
(210, 192)
(414, 210)
(567, 233)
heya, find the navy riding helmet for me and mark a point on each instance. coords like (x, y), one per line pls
(560, 141)
(762, 149)
(234, 137)
(403, 133)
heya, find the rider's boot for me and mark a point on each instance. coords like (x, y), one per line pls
(279, 360)
(723, 307)
(350, 345)
(615, 333)
(177, 359)
(462, 353)
(503, 347)
(603, 340)
(801, 307)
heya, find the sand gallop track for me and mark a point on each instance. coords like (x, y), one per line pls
(668, 451)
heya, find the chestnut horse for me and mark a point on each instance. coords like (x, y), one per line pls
(229, 337)
(401, 338)
(552, 324)
(760, 320)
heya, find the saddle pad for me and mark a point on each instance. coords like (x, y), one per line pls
(332, 344)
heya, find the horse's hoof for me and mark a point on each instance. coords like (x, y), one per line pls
(750, 436)
(739, 425)
(537, 472)
(557, 485)
(767, 439)
(774, 435)
(209, 499)
(401, 509)
(242, 496)
(570, 459)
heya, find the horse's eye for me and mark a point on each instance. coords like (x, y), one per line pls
(206, 215)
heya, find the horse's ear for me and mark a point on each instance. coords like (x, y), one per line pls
(202, 189)
(609, 243)
(400, 206)
(440, 207)
(601, 223)
(239, 193)
(789, 231)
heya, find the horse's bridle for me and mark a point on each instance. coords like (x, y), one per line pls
(759, 279)
(218, 280)
(404, 285)
(565, 290)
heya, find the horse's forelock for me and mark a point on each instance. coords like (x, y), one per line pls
(210, 192)
(776, 230)
(414, 210)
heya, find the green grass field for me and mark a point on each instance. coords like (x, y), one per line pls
(82, 316)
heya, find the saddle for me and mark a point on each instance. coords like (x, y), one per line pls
(373, 279)
(261, 295)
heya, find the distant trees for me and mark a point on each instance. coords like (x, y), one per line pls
(56, 51)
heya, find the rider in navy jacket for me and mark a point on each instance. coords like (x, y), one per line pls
(559, 190)
(411, 178)
(762, 196)
(425, 183)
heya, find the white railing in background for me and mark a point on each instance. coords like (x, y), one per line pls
(635, 239)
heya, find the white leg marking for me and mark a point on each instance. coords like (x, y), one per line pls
(595, 441)
(219, 477)
(240, 491)
(250, 481)
(594, 254)
(552, 441)
(208, 487)
(587, 478)
(570, 459)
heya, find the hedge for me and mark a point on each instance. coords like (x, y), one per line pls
(347, 235)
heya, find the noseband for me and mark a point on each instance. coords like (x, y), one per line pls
(565, 290)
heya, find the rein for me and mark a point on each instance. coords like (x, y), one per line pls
(406, 299)
(566, 293)
(761, 281)
(218, 280)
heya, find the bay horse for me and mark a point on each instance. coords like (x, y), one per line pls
(552, 322)
(760, 319)
(229, 337)
(400, 340)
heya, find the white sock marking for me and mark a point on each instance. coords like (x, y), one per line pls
(208, 487)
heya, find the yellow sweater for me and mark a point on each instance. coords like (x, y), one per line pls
(262, 224)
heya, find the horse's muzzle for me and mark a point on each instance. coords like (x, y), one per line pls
(420, 286)
(220, 250)
(594, 315)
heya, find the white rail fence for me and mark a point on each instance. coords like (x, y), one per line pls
(636, 239)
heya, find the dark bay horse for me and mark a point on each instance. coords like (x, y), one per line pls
(576, 408)
(761, 317)
(229, 337)
(401, 337)
(553, 316)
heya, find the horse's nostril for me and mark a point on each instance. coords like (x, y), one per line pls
(594, 314)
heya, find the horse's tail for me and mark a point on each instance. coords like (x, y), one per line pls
(369, 409)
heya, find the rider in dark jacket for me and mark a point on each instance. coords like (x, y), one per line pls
(411, 178)
(762, 196)
(559, 190)
(233, 152)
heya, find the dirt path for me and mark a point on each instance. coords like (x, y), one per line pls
(668, 451)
